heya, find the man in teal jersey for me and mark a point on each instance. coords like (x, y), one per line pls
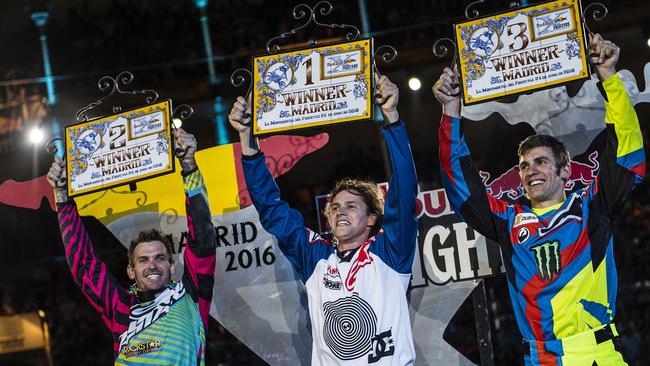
(156, 321)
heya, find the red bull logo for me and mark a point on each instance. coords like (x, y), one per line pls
(509, 183)
(583, 173)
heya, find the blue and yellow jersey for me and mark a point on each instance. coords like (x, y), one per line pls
(559, 261)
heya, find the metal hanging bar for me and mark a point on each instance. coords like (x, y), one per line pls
(301, 11)
(113, 86)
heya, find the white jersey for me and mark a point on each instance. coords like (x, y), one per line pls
(359, 312)
(358, 305)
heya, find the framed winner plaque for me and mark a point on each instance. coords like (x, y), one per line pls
(313, 87)
(521, 50)
(119, 149)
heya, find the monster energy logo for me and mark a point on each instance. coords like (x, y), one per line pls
(547, 256)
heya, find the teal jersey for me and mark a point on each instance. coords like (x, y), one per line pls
(169, 330)
(160, 333)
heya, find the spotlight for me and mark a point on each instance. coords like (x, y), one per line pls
(648, 41)
(36, 135)
(415, 84)
(178, 123)
(41, 313)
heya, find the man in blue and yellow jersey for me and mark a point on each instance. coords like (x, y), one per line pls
(557, 250)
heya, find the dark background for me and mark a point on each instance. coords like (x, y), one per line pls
(161, 43)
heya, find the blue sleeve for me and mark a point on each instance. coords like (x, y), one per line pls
(465, 189)
(400, 224)
(302, 247)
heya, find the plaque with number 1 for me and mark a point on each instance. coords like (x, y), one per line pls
(313, 87)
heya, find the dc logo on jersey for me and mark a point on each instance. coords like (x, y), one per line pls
(523, 234)
(547, 257)
(379, 349)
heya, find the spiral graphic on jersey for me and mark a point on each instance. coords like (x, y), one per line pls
(349, 325)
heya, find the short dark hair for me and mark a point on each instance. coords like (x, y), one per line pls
(151, 235)
(557, 147)
(368, 191)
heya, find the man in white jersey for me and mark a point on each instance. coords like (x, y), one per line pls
(356, 282)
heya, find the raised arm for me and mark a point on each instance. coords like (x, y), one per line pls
(199, 255)
(88, 271)
(461, 180)
(623, 164)
(400, 225)
(302, 247)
